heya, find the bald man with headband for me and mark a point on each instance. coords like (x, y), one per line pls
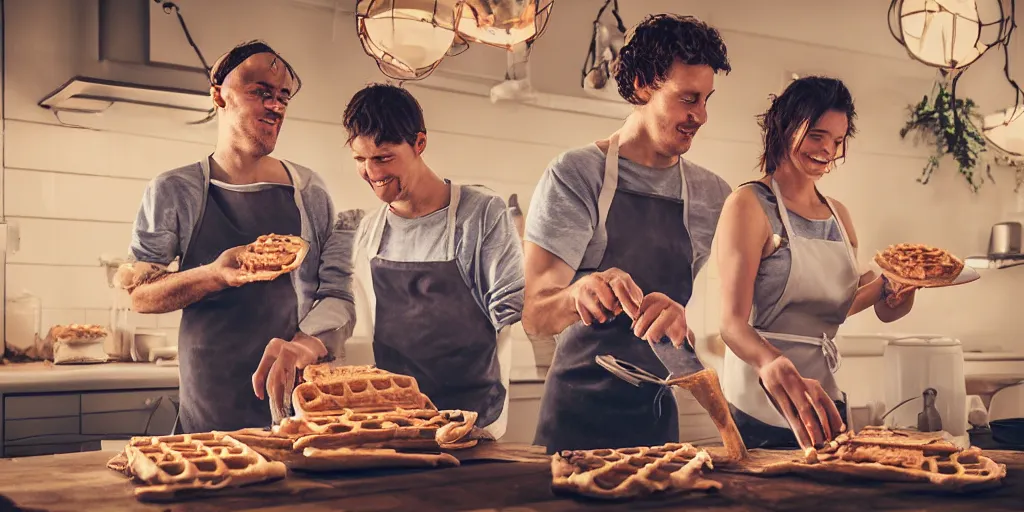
(203, 214)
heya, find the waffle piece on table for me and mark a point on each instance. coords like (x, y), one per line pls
(884, 455)
(168, 467)
(631, 472)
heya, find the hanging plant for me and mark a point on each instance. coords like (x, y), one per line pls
(950, 124)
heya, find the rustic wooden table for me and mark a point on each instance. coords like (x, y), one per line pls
(81, 482)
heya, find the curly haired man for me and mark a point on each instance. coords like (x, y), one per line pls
(616, 232)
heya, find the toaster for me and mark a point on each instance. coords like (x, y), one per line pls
(1005, 240)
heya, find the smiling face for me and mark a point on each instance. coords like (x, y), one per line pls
(390, 169)
(677, 108)
(814, 150)
(253, 99)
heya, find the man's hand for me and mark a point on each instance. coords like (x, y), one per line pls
(811, 414)
(226, 269)
(602, 296)
(276, 372)
(658, 317)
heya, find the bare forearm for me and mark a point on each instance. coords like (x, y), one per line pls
(548, 313)
(866, 296)
(747, 344)
(175, 290)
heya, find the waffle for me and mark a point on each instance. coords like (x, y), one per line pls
(170, 466)
(631, 472)
(919, 265)
(270, 256)
(351, 440)
(884, 455)
(327, 391)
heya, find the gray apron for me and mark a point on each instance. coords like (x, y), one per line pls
(222, 336)
(429, 326)
(823, 280)
(584, 406)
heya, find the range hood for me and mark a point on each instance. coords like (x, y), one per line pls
(115, 76)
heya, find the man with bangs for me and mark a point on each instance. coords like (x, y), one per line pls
(202, 215)
(615, 234)
(444, 259)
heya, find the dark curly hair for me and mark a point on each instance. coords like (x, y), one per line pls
(231, 60)
(806, 99)
(388, 113)
(658, 41)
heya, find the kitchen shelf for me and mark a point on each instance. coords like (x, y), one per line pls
(986, 263)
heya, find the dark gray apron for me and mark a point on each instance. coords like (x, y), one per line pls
(429, 326)
(584, 406)
(222, 336)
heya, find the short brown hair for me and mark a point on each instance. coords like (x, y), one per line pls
(385, 112)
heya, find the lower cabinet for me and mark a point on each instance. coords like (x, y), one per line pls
(41, 424)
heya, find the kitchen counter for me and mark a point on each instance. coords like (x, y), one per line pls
(45, 377)
(81, 481)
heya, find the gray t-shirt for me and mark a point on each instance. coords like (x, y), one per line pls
(487, 248)
(563, 213)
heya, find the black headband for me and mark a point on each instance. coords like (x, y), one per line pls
(240, 53)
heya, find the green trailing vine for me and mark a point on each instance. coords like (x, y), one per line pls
(954, 134)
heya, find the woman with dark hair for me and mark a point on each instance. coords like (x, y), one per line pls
(788, 254)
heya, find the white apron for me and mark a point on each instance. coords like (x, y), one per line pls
(823, 280)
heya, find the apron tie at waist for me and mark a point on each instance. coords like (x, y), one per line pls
(828, 346)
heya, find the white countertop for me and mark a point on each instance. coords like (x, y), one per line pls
(45, 377)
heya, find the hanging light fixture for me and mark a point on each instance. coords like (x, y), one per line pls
(504, 23)
(407, 38)
(947, 34)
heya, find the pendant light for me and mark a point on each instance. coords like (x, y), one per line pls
(947, 34)
(504, 23)
(407, 38)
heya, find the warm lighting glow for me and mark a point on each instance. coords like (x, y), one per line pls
(504, 23)
(948, 34)
(1005, 130)
(407, 38)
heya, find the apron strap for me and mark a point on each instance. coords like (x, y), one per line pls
(376, 231)
(609, 185)
(783, 211)
(453, 207)
(842, 231)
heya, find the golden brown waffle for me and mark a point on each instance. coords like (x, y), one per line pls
(631, 472)
(270, 256)
(919, 265)
(398, 438)
(361, 389)
(883, 455)
(170, 466)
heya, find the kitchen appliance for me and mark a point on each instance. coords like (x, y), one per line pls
(145, 341)
(24, 319)
(914, 365)
(1005, 240)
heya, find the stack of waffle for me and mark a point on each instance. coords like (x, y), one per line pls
(362, 417)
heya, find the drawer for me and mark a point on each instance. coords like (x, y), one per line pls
(35, 430)
(127, 400)
(41, 406)
(49, 449)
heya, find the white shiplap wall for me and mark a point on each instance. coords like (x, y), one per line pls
(72, 193)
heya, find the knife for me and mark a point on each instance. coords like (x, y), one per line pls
(680, 362)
